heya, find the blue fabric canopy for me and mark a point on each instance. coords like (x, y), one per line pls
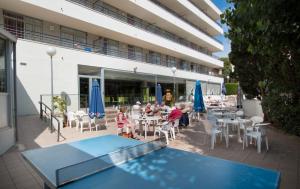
(158, 94)
(198, 98)
(96, 108)
(223, 89)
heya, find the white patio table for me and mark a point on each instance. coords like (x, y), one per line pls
(147, 120)
(228, 122)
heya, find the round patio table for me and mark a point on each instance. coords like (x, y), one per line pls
(147, 120)
(227, 122)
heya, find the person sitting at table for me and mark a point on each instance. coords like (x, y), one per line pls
(156, 109)
(164, 107)
(136, 109)
(122, 121)
(184, 119)
(175, 114)
(148, 109)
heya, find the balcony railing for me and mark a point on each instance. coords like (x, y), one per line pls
(202, 10)
(182, 18)
(141, 24)
(99, 49)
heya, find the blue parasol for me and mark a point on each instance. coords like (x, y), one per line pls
(96, 108)
(158, 94)
(198, 98)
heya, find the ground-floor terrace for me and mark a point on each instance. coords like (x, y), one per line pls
(123, 88)
(283, 155)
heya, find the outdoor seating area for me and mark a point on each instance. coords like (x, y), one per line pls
(282, 156)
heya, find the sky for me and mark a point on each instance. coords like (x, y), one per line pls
(222, 5)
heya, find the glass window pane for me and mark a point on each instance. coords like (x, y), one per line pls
(3, 71)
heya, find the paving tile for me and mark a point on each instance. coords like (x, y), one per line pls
(7, 185)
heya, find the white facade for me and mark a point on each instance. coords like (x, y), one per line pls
(44, 22)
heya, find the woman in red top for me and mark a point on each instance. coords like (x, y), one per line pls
(122, 122)
(121, 118)
(175, 114)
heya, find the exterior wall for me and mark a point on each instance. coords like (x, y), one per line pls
(7, 139)
(34, 77)
(66, 13)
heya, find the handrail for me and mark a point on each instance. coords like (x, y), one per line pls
(99, 49)
(42, 111)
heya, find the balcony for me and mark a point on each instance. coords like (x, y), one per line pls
(141, 24)
(192, 15)
(99, 49)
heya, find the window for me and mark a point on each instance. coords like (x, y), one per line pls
(3, 68)
(171, 61)
(113, 47)
(154, 57)
(192, 66)
(183, 65)
(33, 28)
(73, 38)
(131, 52)
(14, 24)
(139, 53)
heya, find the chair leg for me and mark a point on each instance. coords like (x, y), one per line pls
(244, 142)
(81, 127)
(212, 141)
(145, 128)
(173, 131)
(167, 138)
(267, 143)
(258, 144)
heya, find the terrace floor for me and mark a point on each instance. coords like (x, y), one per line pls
(283, 155)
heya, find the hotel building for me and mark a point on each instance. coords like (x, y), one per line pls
(127, 45)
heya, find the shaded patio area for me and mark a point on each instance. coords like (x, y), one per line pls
(284, 153)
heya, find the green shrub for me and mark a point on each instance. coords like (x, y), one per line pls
(231, 88)
(283, 110)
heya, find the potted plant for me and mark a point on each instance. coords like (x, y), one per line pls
(60, 105)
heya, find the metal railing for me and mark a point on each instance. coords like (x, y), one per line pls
(103, 49)
(184, 19)
(202, 10)
(45, 111)
(141, 24)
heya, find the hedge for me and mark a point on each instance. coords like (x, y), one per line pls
(231, 88)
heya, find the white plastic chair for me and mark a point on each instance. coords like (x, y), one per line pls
(164, 128)
(94, 124)
(71, 116)
(257, 132)
(85, 120)
(174, 126)
(212, 130)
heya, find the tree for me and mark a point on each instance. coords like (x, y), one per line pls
(265, 38)
(227, 69)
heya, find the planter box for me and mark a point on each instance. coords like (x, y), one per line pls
(252, 108)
